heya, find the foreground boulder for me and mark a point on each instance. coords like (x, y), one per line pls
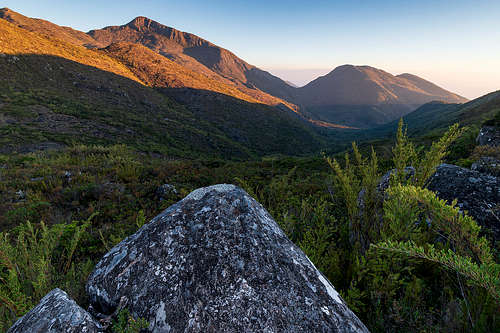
(476, 193)
(217, 262)
(55, 313)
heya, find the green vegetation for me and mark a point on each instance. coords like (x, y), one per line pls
(384, 257)
(403, 260)
(35, 260)
(402, 237)
(126, 323)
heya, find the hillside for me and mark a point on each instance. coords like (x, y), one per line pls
(435, 117)
(198, 55)
(158, 71)
(57, 93)
(50, 29)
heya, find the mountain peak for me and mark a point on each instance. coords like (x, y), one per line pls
(141, 22)
(348, 68)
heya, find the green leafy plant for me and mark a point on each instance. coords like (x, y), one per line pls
(34, 259)
(126, 323)
(410, 208)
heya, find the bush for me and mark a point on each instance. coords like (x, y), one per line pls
(403, 237)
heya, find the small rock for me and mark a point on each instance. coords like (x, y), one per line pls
(384, 182)
(21, 195)
(36, 179)
(56, 313)
(489, 136)
(165, 190)
(487, 165)
(14, 59)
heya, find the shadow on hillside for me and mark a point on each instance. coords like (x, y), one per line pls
(198, 120)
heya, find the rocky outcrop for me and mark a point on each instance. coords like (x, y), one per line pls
(476, 193)
(488, 165)
(55, 313)
(217, 262)
(489, 136)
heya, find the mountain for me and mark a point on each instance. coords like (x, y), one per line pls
(365, 85)
(365, 96)
(49, 29)
(199, 55)
(158, 71)
(349, 96)
(53, 92)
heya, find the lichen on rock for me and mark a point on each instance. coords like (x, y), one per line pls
(56, 313)
(475, 192)
(217, 262)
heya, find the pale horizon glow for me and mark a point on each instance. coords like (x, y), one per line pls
(454, 44)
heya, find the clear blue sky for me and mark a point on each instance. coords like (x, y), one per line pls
(455, 44)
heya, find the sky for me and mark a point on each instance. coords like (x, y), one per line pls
(455, 44)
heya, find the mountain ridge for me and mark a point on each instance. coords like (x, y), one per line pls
(349, 96)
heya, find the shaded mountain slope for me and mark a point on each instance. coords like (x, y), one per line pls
(364, 96)
(437, 116)
(365, 85)
(53, 92)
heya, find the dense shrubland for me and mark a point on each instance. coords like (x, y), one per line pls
(404, 260)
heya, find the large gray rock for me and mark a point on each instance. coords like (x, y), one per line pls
(56, 313)
(217, 262)
(489, 136)
(476, 193)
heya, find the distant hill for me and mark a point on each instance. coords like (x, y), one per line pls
(437, 116)
(364, 96)
(365, 85)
